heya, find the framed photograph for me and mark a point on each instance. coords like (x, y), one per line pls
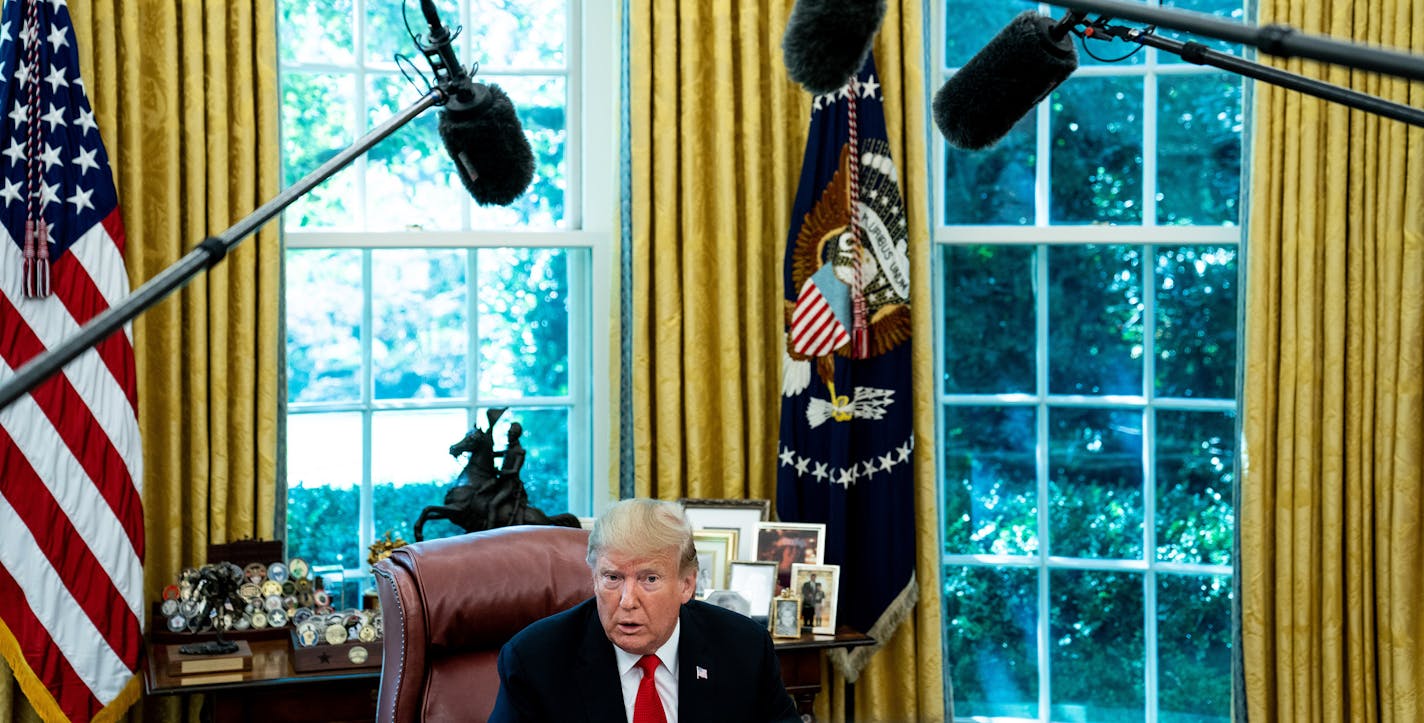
(714, 550)
(729, 600)
(785, 621)
(817, 586)
(787, 543)
(756, 581)
(743, 515)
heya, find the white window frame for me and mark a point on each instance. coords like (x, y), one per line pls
(590, 223)
(1041, 234)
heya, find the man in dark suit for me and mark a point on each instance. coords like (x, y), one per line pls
(642, 649)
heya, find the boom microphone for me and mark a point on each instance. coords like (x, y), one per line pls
(478, 124)
(1013, 72)
(827, 41)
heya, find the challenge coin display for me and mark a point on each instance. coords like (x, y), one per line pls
(250, 598)
(335, 640)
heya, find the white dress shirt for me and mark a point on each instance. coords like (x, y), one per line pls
(665, 678)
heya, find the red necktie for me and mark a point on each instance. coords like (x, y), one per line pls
(647, 706)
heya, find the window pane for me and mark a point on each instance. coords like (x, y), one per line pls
(410, 177)
(1096, 164)
(1196, 322)
(540, 104)
(522, 33)
(421, 333)
(990, 638)
(1233, 10)
(411, 468)
(315, 31)
(523, 322)
(317, 124)
(1194, 649)
(1095, 309)
(969, 25)
(990, 492)
(1095, 483)
(1199, 128)
(324, 330)
(993, 185)
(1096, 648)
(988, 340)
(388, 28)
(1194, 486)
(324, 488)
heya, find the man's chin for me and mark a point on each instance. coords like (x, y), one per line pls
(635, 642)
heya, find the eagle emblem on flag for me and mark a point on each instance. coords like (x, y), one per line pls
(847, 438)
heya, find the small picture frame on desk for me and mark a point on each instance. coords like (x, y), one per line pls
(756, 581)
(742, 515)
(818, 587)
(785, 619)
(788, 543)
(715, 549)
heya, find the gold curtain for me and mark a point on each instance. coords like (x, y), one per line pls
(718, 131)
(185, 95)
(1330, 523)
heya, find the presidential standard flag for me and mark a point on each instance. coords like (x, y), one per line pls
(71, 519)
(846, 433)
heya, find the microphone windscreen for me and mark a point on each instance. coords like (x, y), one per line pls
(491, 154)
(827, 41)
(1004, 81)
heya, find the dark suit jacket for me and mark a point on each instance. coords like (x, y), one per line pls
(562, 668)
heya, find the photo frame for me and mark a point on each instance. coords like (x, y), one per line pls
(756, 581)
(785, 619)
(786, 543)
(714, 550)
(744, 515)
(818, 586)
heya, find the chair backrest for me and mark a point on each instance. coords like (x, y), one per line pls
(448, 605)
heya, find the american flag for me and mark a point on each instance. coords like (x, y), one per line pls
(71, 517)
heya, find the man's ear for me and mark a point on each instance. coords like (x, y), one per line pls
(689, 585)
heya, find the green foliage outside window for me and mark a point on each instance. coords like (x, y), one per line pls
(1095, 502)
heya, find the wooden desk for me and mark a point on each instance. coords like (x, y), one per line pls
(801, 662)
(273, 692)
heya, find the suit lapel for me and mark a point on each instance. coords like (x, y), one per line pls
(598, 673)
(695, 670)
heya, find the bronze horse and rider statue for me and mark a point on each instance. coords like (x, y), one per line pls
(486, 496)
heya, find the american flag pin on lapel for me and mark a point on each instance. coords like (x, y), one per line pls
(701, 673)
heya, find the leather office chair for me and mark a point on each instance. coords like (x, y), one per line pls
(448, 605)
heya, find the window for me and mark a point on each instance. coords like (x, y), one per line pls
(1087, 297)
(410, 311)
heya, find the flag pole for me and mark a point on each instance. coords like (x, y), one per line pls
(204, 256)
(1282, 41)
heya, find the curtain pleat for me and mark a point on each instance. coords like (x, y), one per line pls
(717, 135)
(185, 96)
(1330, 527)
(715, 138)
